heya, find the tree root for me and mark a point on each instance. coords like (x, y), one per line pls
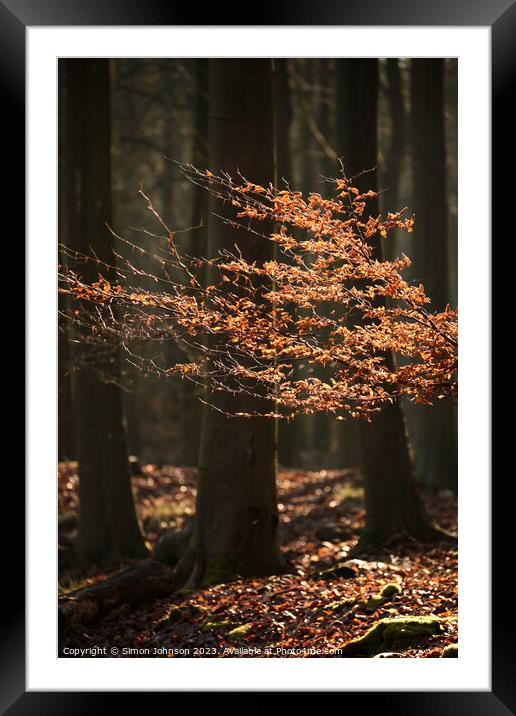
(137, 584)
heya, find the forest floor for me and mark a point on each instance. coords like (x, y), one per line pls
(300, 613)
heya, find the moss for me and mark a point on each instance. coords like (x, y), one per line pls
(173, 615)
(212, 625)
(390, 590)
(392, 634)
(386, 592)
(375, 602)
(222, 568)
(348, 491)
(198, 610)
(450, 652)
(239, 632)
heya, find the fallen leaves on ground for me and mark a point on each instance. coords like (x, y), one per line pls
(303, 613)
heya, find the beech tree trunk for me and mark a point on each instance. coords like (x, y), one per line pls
(108, 528)
(200, 208)
(236, 513)
(65, 441)
(191, 408)
(349, 453)
(434, 428)
(393, 507)
(396, 151)
(287, 431)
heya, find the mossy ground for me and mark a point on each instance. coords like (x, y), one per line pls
(392, 634)
(450, 652)
(239, 632)
(375, 602)
(167, 621)
(393, 589)
(215, 625)
(386, 593)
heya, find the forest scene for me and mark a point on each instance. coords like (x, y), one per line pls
(257, 358)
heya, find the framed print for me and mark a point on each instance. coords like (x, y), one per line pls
(246, 246)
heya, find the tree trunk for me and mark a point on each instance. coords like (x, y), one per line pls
(200, 208)
(393, 507)
(434, 428)
(396, 149)
(65, 442)
(191, 407)
(108, 528)
(323, 167)
(392, 503)
(236, 514)
(286, 437)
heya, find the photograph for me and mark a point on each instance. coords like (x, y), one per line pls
(257, 329)
(245, 243)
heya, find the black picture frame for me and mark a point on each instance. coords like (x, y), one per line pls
(500, 15)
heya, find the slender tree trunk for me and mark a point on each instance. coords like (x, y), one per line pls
(451, 137)
(65, 441)
(169, 92)
(191, 408)
(176, 395)
(393, 507)
(236, 512)
(124, 114)
(396, 150)
(348, 125)
(304, 73)
(131, 401)
(434, 429)
(107, 521)
(200, 208)
(324, 167)
(282, 171)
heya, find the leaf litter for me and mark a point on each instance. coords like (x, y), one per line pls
(312, 610)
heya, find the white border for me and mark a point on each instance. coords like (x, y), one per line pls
(472, 669)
